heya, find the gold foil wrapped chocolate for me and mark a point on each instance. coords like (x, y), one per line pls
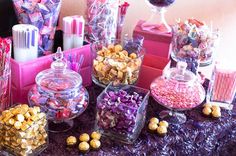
(23, 130)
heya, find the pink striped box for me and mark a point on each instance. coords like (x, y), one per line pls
(155, 43)
(23, 74)
(152, 67)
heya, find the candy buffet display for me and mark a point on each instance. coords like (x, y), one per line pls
(101, 19)
(73, 32)
(117, 62)
(222, 88)
(178, 89)
(25, 42)
(121, 112)
(5, 73)
(193, 40)
(44, 15)
(23, 130)
(59, 93)
(158, 7)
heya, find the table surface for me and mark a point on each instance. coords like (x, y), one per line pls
(200, 135)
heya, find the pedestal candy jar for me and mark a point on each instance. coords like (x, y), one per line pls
(178, 89)
(59, 93)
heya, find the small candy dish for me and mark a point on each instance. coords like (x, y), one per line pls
(178, 90)
(121, 112)
(114, 61)
(158, 8)
(60, 94)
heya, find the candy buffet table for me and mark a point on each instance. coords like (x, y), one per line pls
(198, 136)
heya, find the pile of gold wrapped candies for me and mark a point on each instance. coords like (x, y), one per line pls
(158, 127)
(212, 110)
(23, 130)
(84, 138)
(115, 64)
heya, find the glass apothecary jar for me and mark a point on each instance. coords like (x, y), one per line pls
(116, 61)
(121, 112)
(23, 131)
(59, 93)
(178, 89)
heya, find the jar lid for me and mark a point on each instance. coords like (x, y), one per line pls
(58, 78)
(180, 73)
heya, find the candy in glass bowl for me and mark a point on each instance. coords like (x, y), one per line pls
(193, 39)
(116, 61)
(121, 112)
(60, 94)
(158, 8)
(178, 89)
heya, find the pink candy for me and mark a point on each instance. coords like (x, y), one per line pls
(175, 95)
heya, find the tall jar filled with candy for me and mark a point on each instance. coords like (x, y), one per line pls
(44, 15)
(5, 74)
(194, 42)
(222, 87)
(101, 19)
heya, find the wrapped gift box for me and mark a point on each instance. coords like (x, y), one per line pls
(23, 74)
(156, 43)
(152, 67)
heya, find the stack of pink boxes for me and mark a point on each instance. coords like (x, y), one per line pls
(157, 58)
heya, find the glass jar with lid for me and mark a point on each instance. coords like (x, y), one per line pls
(178, 89)
(59, 93)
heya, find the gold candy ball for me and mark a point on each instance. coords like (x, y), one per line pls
(96, 135)
(164, 123)
(216, 113)
(154, 120)
(71, 140)
(206, 111)
(83, 146)
(215, 108)
(152, 126)
(95, 144)
(207, 105)
(162, 130)
(118, 48)
(84, 137)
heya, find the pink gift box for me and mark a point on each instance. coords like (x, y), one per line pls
(23, 74)
(152, 67)
(156, 43)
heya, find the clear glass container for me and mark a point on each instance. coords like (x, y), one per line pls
(116, 61)
(178, 89)
(29, 139)
(193, 40)
(5, 91)
(121, 112)
(157, 19)
(222, 88)
(59, 93)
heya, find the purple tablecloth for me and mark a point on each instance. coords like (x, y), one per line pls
(198, 136)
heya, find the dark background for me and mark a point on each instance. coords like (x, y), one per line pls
(7, 18)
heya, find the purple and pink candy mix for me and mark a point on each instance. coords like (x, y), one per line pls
(194, 39)
(44, 15)
(101, 19)
(121, 112)
(62, 103)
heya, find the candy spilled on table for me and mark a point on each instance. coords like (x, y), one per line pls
(59, 93)
(44, 15)
(25, 42)
(73, 32)
(194, 41)
(101, 19)
(5, 73)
